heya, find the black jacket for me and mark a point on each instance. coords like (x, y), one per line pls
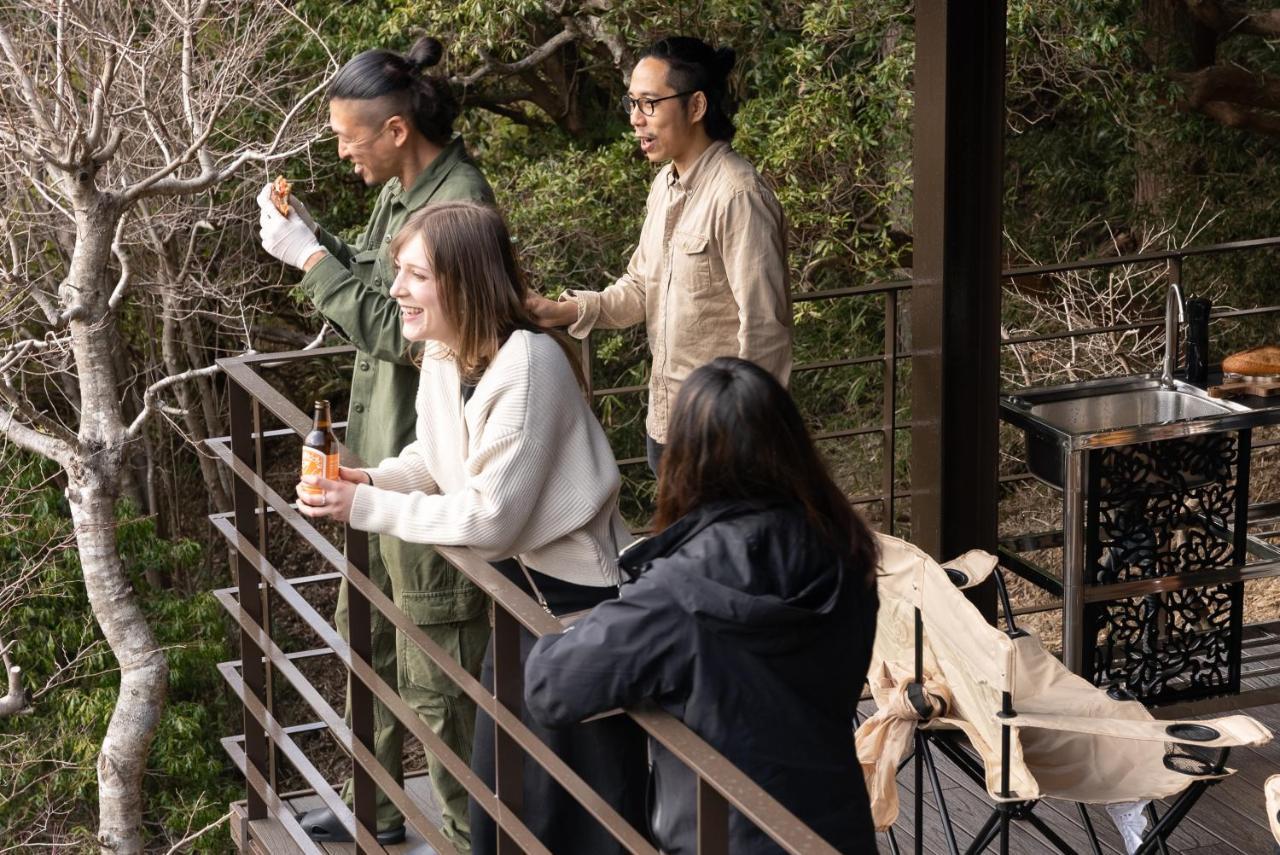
(741, 622)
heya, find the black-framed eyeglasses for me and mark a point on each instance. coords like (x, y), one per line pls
(647, 105)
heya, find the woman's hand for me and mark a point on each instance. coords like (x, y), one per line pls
(320, 497)
(549, 313)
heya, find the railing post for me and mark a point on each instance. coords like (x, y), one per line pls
(264, 595)
(889, 418)
(244, 426)
(508, 689)
(588, 360)
(360, 630)
(713, 820)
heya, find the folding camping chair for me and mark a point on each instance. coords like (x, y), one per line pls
(1015, 720)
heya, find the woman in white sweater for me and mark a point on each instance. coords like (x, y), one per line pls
(510, 462)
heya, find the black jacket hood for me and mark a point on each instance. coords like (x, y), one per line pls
(733, 565)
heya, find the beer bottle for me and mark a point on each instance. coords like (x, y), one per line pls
(320, 449)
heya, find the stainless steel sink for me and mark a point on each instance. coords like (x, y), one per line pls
(1058, 420)
(1132, 408)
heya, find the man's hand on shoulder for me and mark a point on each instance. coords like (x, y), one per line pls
(550, 313)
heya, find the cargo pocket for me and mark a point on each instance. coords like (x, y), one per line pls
(369, 267)
(455, 621)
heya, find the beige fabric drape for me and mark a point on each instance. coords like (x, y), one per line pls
(885, 738)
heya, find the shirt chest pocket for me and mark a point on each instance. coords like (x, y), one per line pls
(371, 267)
(690, 262)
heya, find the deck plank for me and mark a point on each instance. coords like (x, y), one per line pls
(270, 838)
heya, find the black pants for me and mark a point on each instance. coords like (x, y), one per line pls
(609, 754)
(653, 450)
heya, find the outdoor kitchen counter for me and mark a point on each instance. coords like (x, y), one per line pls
(1154, 544)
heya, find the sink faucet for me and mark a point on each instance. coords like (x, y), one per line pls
(1173, 315)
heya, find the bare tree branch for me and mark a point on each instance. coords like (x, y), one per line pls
(1230, 19)
(151, 398)
(195, 835)
(1230, 83)
(493, 68)
(16, 700)
(1242, 118)
(32, 440)
(26, 86)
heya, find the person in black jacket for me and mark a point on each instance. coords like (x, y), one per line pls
(750, 617)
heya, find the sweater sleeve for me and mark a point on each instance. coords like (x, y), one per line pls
(622, 652)
(405, 473)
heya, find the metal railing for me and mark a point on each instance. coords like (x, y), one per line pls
(888, 358)
(720, 785)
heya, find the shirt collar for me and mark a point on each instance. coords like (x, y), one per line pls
(689, 181)
(427, 181)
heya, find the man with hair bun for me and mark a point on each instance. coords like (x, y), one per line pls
(394, 122)
(709, 275)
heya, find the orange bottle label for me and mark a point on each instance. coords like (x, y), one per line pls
(316, 462)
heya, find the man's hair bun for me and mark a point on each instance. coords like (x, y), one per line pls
(425, 53)
(725, 58)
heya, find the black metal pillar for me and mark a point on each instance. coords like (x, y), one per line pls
(955, 299)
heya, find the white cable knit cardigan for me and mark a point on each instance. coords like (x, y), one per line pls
(522, 469)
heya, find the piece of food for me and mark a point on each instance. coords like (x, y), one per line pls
(1254, 362)
(280, 195)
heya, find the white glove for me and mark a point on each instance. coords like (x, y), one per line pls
(295, 207)
(287, 238)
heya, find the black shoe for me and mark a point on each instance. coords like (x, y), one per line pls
(323, 827)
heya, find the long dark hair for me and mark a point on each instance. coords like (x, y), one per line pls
(735, 433)
(427, 100)
(482, 287)
(695, 66)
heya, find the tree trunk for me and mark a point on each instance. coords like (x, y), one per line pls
(188, 401)
(207, 393)
(95, 480)
(144, 672)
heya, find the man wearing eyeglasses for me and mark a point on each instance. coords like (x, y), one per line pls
(709, 275)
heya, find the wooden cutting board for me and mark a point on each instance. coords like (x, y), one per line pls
(1245, 385)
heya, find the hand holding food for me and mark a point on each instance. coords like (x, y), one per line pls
(278, 196)
(287, 238)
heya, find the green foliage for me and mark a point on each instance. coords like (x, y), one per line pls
(50, 784)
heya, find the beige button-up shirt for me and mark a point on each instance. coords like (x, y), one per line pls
(709, 277)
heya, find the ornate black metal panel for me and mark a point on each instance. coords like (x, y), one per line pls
(1169, 646)
(1162, 509)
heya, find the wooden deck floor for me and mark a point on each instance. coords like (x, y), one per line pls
(268, 837)
(1229, 820)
